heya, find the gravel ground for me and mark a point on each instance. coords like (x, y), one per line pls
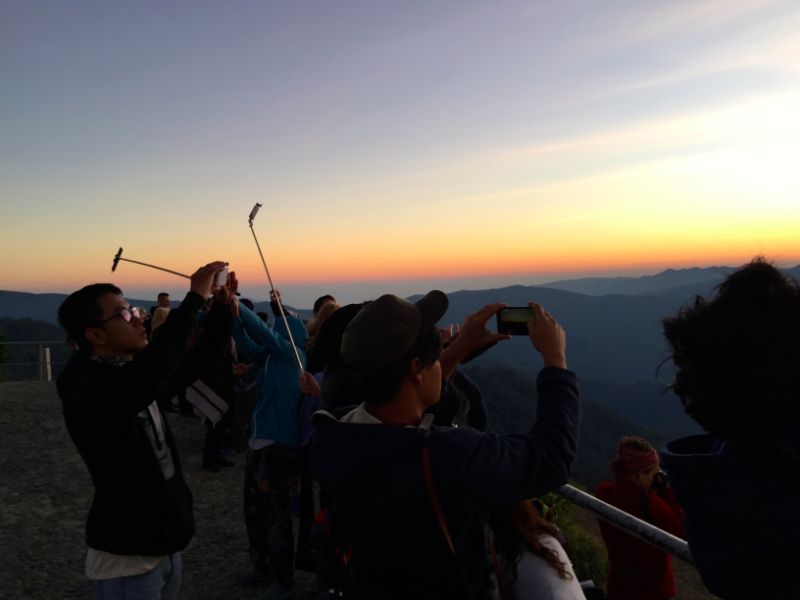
(45, 492)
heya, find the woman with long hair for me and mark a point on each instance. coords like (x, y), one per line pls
(531, 562)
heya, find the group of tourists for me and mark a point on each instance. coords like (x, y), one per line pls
(361, 406)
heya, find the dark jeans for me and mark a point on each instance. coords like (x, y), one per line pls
(270, 475)
(304, 561)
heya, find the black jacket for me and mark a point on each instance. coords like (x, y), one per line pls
(135, 509)
(374, 474)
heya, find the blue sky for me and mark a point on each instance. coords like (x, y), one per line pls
(386, 133)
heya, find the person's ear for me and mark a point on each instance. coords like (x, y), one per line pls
(96, 336)
(415, 370)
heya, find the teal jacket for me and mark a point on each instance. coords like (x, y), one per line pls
(275, 416)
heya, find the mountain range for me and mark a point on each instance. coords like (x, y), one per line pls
(672, 282)
(613, 325)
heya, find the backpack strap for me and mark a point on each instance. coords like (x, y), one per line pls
(502, 582)
(437, 509)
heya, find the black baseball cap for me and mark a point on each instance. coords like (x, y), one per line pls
(385, 329)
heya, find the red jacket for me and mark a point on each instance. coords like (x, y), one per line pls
(638, 570)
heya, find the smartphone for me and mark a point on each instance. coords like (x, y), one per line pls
(513, 320)
(221, 278)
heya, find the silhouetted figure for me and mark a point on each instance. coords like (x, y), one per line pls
(737, 360)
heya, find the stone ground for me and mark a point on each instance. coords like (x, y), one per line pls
(45, 492)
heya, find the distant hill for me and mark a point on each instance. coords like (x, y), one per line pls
(510, 400)
(22, 359)
(44, 307)
(614, 339)
(673, 282)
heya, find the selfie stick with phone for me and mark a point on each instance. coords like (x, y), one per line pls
(272, 289)
(118, 258)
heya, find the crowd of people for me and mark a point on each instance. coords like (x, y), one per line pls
(354, 416)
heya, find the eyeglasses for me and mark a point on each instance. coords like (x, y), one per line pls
(126, 314)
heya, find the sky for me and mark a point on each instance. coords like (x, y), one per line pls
(394, 146)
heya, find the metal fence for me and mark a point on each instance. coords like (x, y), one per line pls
(42, 368)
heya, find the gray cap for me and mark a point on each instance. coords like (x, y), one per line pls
(384, 330)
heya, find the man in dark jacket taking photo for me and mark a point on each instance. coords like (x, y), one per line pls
(412, 496)
(141, 515)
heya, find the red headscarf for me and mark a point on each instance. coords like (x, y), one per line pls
(634, 455)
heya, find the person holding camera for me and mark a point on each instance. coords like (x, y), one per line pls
(141, 515)
(637, 570)
(737, 361)
(413, 496)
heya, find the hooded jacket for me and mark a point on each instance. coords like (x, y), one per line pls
(742, 511)
(136, 509)
(275, 416)
(374, 473)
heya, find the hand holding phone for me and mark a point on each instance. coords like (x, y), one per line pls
(221, 277)
(548, 337)
(513, 320)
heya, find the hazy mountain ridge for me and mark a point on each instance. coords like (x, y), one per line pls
(510, 399)
(671, 282)
(614, 341)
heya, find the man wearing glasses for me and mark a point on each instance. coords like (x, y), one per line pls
(141, 516)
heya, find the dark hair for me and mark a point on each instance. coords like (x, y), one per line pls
(162, 294)
(516, 529)
(737, 356)
(263, 316)
(248, 303)
(379, 386)
(80, 310)
(322, 300)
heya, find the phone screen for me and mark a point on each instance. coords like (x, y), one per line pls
(222, 277)
(513, 320)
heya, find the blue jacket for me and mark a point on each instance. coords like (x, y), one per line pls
(742, 511)
(275, 416)
(374, 474)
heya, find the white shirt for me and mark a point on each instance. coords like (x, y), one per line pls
(537, 579)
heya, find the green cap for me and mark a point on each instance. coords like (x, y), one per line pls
(384, 330)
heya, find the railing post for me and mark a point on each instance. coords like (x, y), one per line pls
(41, 362)
(48, 364)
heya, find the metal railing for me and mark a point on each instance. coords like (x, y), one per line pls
(628, 523)
(45, 362)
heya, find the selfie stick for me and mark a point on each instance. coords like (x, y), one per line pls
(118, 258)
(272, 286)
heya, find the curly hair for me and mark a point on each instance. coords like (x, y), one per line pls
(737, 357)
